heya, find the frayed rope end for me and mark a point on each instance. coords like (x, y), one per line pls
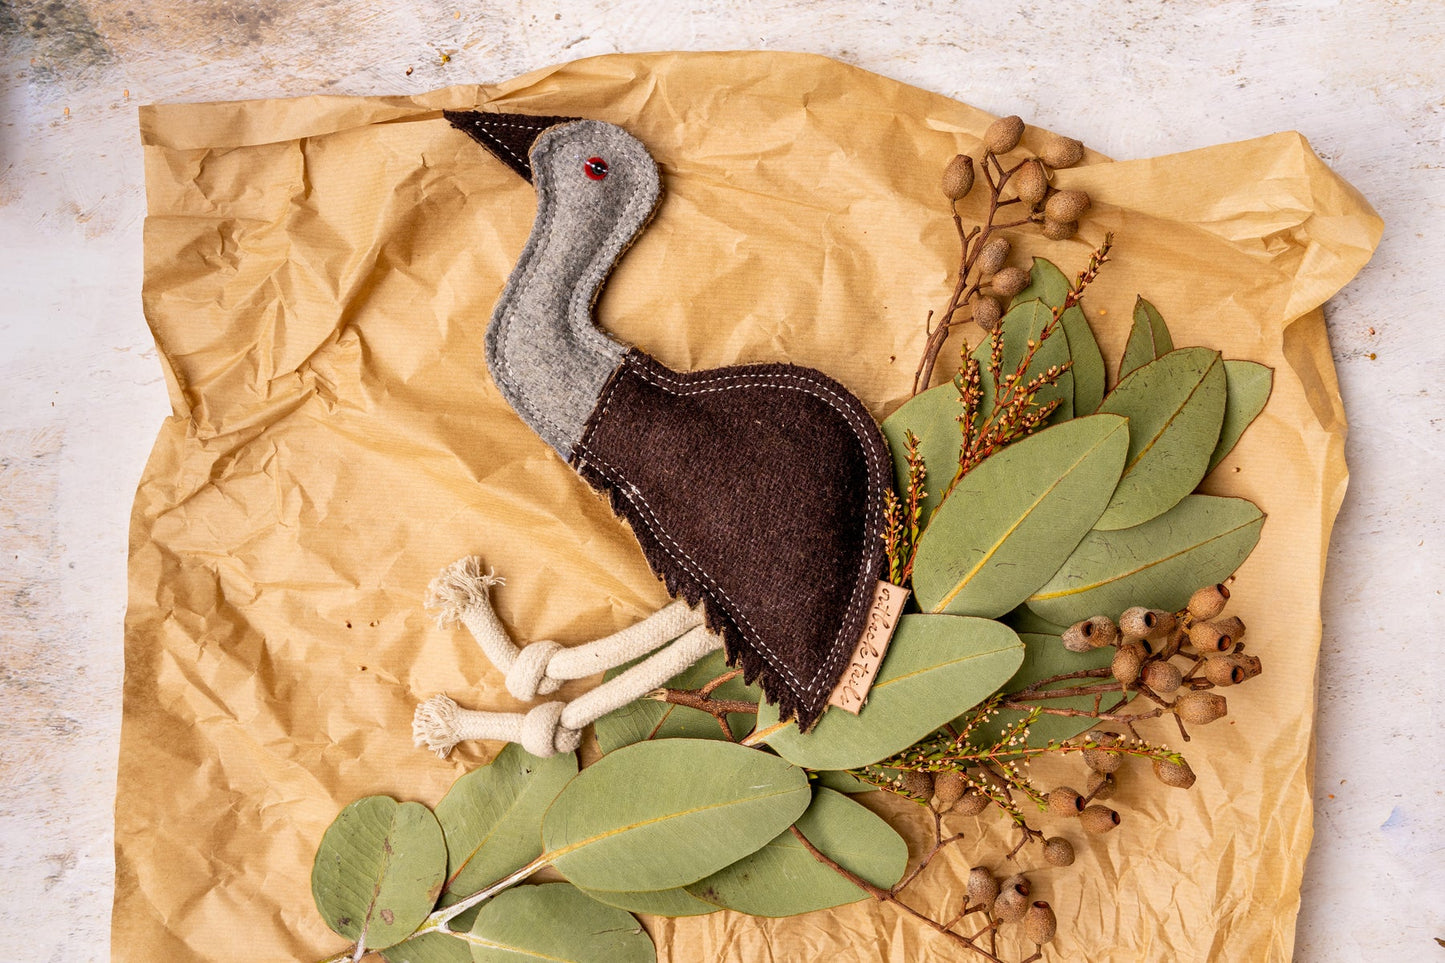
(460, 586)
(434, 725)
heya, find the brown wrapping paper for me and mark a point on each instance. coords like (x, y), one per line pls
(318, 275)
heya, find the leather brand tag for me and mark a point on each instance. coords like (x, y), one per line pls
(851, 692)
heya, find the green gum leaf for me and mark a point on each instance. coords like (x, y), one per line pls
(643, 719)
(1045, 657)
(1249, 387)
(1175, 407)
(1025, 322)
(557, 923)
(937, 667)
(1148, 339)
(1159, 564)
(1050, 285)
(1013, 520)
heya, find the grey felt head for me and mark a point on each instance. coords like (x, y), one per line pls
(601, 169)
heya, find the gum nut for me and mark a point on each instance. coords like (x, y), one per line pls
(1010, 907)
(1098, 819)
(1201, 708)
(1127, 662)
(1017, 883)
(1102, 785)
(982, 886)
(1208, 602)
(1031, 183)
(1146, 623)
(1058, 851)
(948, 788)
(1102, 760)
(1208, 637)
(1009, 281)
(1224, 670)
(1232, 627)
(958, 177)
(1039, 922)
(993, 256)
(971, 803)
(1076, 637)
(1066, 205)
(917, 784)
(1003, 135)
(1060, 230)
(1064, 801)
(987, 313)
(1176, 774)
(1059, 151)
(1163, 677)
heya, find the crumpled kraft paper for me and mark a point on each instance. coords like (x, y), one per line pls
(318, 276)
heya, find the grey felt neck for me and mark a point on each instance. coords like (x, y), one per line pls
(546, 354)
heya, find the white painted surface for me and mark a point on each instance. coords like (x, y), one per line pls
(81, 394)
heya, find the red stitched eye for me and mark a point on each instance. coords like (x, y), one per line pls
(595, 168)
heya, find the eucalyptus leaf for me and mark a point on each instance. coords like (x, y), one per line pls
(1025, 322)
(838, 781)
(432, 948)
(1013, 520)
(1050, 285)
(1045, 657)
(1175, 407)
(673, 903)
(932, 416)
(557, 923)
(655, 815)
(1025, 621)
(379, 870)
(937, 667)
(1249, 387)
(784, 879)
(1148, 339)
(492, 816)
(643, 719)
(1159, 564)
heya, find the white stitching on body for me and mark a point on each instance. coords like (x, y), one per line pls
(806, 385)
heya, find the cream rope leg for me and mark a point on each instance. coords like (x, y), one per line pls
(461, 593)
(552, 727)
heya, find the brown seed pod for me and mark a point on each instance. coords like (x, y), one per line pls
(971, 803)
(987, 312)
(1201, 708)
(948, 787)
(919, 785)
(1098, 819)
(1163, 677)
(1224, 670)
(958, 177)
(1059, 151)
(1176, 774)
(1039, 922)
(1102, 785)
(1010, 907)
(993, 256)
(1102, 760)
(1009, 281)
(1059, 230)
(1252, 666)
(1094, 633)
(1003, 134)
(1066, 205)
(1031, 182)
(982, 886)
(1232, 627)
(1208, 602)
(1127, 662)
(1209, 637)
(1058, 851)
(1064, 801)
(1146, 623)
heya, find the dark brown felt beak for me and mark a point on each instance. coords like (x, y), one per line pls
(508, 136)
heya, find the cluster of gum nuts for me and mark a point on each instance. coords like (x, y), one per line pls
(1007, 901)
(1145, 641)
(1057, 210)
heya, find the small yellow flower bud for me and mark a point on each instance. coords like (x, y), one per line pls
(1098, 819)
(1003, 135)
(958, 177)
(1059, 151)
